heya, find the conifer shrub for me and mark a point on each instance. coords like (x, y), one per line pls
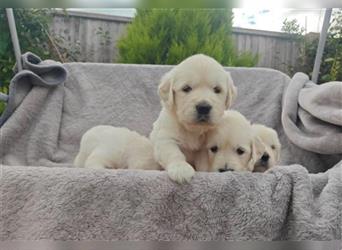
(167, 36)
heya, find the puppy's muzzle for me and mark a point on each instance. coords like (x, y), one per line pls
(203, 111)
(225, 169)
(262, 163)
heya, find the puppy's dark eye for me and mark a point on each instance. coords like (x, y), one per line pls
(273, 147)
(240, 151)
(217, 90)
(186, 89)
(214, 149)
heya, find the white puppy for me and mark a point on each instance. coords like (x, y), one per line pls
(194, 95)
(232, 146)
(112, 147)
(271, 155)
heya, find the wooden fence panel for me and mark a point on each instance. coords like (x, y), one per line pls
(95, 37)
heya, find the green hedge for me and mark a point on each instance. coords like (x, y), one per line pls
(167, 36)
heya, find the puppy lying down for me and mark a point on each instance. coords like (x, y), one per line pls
(113, 147)
(271, 154)
(232, 146)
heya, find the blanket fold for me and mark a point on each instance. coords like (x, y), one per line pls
(35, 72)
(312, 115)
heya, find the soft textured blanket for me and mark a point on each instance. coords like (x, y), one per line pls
(312, 115)
(60, 202)
(78, 204)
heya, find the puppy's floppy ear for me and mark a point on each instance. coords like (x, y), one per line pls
(258, 149)
(165, 90)
(232, 91)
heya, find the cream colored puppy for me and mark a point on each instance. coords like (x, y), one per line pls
(271, 155)
(113, 147)
(231, 146)
(194, 95)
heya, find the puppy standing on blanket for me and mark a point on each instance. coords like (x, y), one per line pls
(194, 95)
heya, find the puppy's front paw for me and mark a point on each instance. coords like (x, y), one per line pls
(180, 172)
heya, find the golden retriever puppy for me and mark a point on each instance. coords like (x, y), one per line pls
(231, 146)
(194, 95)
(113, 147)
(271, 155)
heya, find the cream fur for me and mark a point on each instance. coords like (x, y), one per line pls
(177, 136)
(232, 135)
(113, 147)
(269, 138)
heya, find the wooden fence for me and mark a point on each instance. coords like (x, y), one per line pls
(93, 38)
(276, 50)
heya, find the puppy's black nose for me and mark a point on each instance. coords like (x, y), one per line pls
(203, 108)
(265, 157)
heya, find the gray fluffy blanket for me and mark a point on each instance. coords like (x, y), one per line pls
(44, 197)
(312, 115)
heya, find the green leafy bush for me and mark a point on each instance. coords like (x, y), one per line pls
(32, 26)
(33, 33)
(331, 66)
(292, 27)
(333, 54)
(167, 36)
